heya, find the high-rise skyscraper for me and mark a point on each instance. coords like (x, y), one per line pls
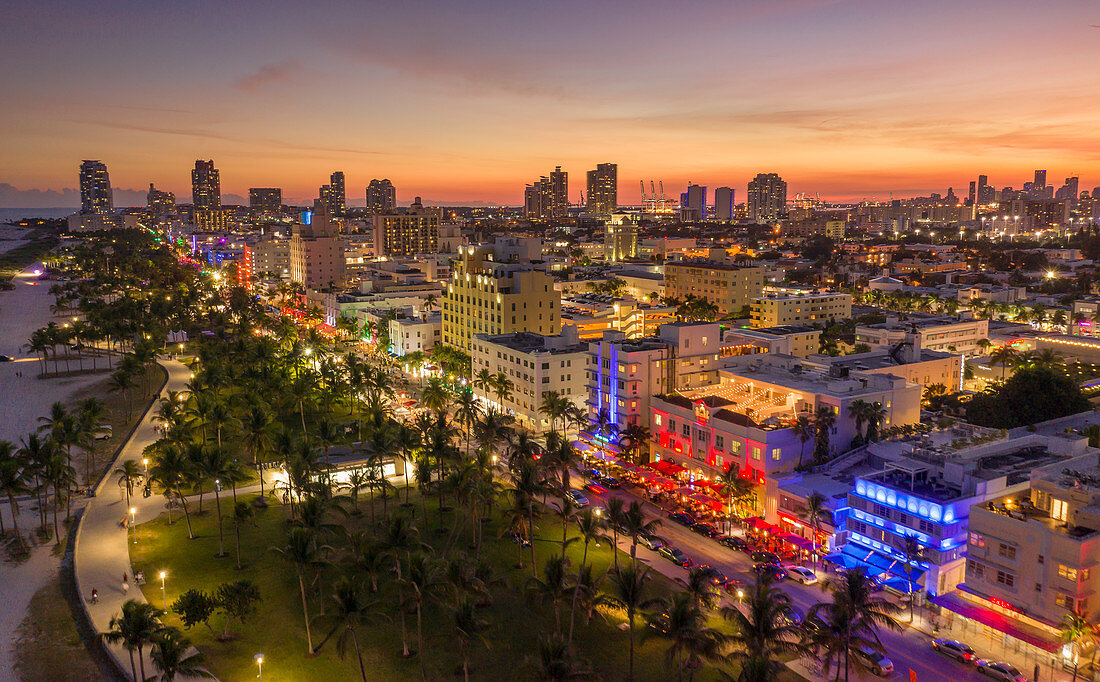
(767, 197)
(723, 204)
(206, 186)
(381, 196)
(972, 195)
(160, 203)
(333, 194)
(95, 188)
(603, 189)
(693, 203)
(559, 193)
(265, 200)
(316, 252)
(1040, 179)
(412, 231)
(985, 191)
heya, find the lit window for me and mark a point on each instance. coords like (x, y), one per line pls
(1067, 572)
(1058, 509)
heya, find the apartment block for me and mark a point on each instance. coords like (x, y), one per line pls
(485, 296)
(729, 287)
(934, 332)
(536, 365)
(774, 310)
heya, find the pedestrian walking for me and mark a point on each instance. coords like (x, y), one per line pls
(95, 596)
(125, 583)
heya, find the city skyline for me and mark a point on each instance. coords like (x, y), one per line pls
(471, 109)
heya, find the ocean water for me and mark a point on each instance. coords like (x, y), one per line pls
(12, 214)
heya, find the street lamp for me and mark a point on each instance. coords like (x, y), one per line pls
(260, 665)
(133, 522)
(163, 591)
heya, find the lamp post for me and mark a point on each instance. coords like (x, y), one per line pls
(260, 665)
(163, 590)
(133, 522)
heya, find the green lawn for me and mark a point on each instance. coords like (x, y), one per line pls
(277, 631)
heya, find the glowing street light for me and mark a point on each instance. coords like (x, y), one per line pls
(163, 591)
(260, 665)
(133, 522)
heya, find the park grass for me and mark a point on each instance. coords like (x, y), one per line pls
(14, 260)
(277, 630)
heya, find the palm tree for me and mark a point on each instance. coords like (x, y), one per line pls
(171, 470)
(629, 594)
(824, 420)
(525, 486)
(556, 663)
(129, 475)
(553, 587)
(913, 551)
(216, 465)
(633, 439)
(398, 542)
(854, 616)
(12, 482)
(303, 552)
(242, 514)
(422, 579)
(876, 414)
(700, 587)
(553, 406)
(635, 525)
(616, 518)
(804, 430)
(468, 625)
(173, 655)
(762, 633)
(256, 438)
(350, 611)
(134, 628)
(816, 509)
(1080, 634)
(857, 410)
(1003, 356)
(591, 529)
(502, 386)
(680, 619)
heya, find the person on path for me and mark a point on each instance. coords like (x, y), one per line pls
(95, 596)
(125, 583)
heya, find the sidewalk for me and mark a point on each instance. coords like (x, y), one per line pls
(101, 551)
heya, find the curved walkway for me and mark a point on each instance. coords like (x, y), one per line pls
(101, 551)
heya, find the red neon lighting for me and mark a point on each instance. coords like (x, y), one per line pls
(1005, 605)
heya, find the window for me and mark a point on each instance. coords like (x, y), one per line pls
(882, 510)
(1058, 509)
(927, 527)
(1067, 572)
(975, 568)
(1007, 551)
(719, 442)
(657, 419)
(776, 454)
(977, 540)
(1063, 600)
(686, 430)
(756, 453)
(1006, 579)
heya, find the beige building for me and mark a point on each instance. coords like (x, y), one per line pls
(485, 296)
(775, 310)
(936, 332)
(797, 340)
(1032, 553)
(271, 255)
(620, 239)
(730, 287)
(536, 365)
(316, 252)
(408, 233)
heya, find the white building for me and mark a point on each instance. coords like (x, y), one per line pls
(536, 365)
(412, 334)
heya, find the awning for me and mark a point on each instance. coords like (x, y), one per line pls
(956, 603)
(757, 523)
(603, 456)
(796, 540)
(700, 498)
(684, 490)
(841, 559)
(668, 468)
(878, 564)
(633, 468)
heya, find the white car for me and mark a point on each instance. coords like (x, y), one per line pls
(802, 575)
(1001, 671)
(577, 498)
(651, 541)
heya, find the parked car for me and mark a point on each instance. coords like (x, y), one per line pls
(878, 663)
(651, 541)
(734, 543)
(675, 556)
(705, 529)
(736, 588)
(716, 576)
(954, 649)
(5, 358)
(814, 626)
(801, 574)
(103, 432)
(1000, 671)
(762, 557)
(610, 482)
(594, 474)
(773, 571)
(682, 518)
(577, 497)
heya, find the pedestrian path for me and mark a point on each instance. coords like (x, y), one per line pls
(101, 551)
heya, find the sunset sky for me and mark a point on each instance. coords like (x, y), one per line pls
(467, 101)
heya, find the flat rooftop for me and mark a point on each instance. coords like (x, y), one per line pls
(881, 360)
(529, 342)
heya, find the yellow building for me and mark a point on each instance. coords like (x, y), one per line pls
(774, 310)
(730, 287)
(485, 296)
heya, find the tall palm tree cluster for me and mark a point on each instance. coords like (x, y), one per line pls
(138, 626)
(1037, 315)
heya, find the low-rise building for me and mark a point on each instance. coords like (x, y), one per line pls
(935, 332)
(774, 310)
(415, 334)
(797, 340)
(1032, 551)
(729, 287)
(593, 314)
(536, 365)
(906, 359)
